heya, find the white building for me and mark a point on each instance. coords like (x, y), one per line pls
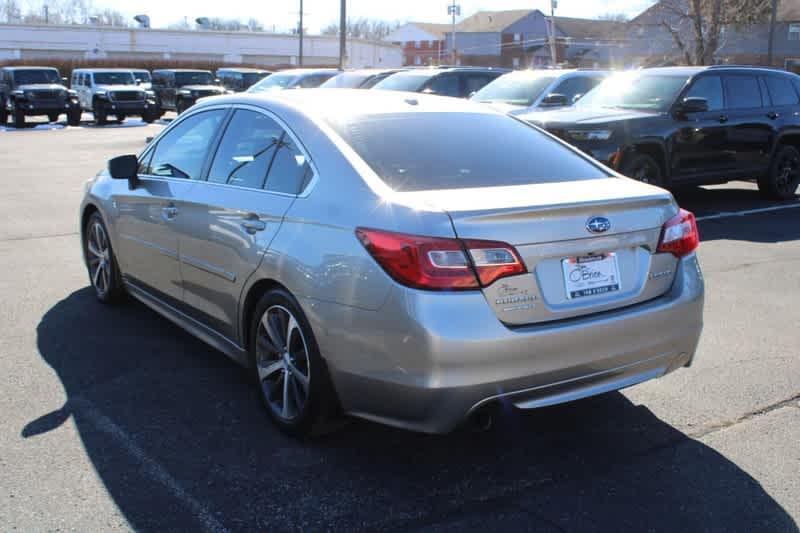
(43, 42)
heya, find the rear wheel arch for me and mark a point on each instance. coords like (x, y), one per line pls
(249, 303)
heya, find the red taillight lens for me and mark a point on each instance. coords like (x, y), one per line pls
(679, 236)
(439, 263)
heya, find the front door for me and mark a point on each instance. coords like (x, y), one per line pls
(148, 214)
(700, 145)
(232, 217)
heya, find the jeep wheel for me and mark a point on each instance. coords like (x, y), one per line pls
(100, 115)
(74, 117)
(181, 106)
(52, 117)
(120, 118)
(783, 177)
(18, 116)
(3, 114)
(642, 167)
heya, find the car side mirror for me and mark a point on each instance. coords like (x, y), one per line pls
(473, 93)
(577, 97)
(125, 167)
(217, 81)
(64, 81)
(693, 104)
(138, 81)
(555, 99)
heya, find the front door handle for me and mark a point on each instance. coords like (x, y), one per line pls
(252, 224)
(170, 212)
(772, 115)
(723, 119)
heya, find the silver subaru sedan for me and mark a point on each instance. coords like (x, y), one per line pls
(409, 259)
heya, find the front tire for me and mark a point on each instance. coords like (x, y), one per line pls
(3, 114)
(120, 118)
(100, 114)
(104, 274)
(52, 117)
(181, 106)
(18, 116)
(74, 118)
(783, 177)
(642, 167)
(291, 375)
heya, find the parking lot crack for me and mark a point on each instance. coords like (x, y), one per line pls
(789, 402)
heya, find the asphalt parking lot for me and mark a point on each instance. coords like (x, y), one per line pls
(112, 418)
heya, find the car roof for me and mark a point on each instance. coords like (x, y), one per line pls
(181, 70)
(26, 67)
(301, 71)
(242, 69)
(97, 69)
(321, 103)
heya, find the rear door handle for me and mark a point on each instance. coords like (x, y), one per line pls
(772, 115)
(252, 224)
(723, 119)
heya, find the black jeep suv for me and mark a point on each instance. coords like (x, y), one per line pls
(672, 126)
(178, 89)
(29, 91)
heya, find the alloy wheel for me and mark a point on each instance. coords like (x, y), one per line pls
(644, 173)
(99, 256)
(788, 173)
(283, 362)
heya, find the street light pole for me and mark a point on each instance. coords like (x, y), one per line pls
(300, 34)
(454, 10)
(342, 33)
(772, 31)
(553, 52)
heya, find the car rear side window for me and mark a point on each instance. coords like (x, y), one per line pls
(710, 88)
(742, 92)
(290, 171)
(444, 85)
(246, 150)
(181, 152)
(476, 82)
(440, 150)
(781, 91)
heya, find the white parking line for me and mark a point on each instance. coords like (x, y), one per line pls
(727, 214)
(148, 466)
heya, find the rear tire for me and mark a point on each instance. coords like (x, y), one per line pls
(104, 274)
(291, 375)
(783, 177)
(642, 167)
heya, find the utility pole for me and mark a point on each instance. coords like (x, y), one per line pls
(454, 10)
(300, 33)
(553, 51)
(772, 31)
(342, 33)
(46, 14)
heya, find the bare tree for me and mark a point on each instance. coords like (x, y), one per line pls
(614, 17)
(363, 28)
(697, 26)
(10, 11)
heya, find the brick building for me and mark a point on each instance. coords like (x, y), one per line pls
(422, 43)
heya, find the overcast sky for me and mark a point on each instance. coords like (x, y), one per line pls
(283, 13)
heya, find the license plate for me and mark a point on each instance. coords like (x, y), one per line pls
(590, 275)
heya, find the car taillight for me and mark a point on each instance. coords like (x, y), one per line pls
(439, 263)
(679, 235)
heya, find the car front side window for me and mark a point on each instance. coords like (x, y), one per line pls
(181, 152)
(246, 150)
(710, 88)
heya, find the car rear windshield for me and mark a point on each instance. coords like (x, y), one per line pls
(273, 82)
(25, 77)
(440, 150)
(514, 90)
(114, 78)
(634, 90)
(404, 81)
(193, 78)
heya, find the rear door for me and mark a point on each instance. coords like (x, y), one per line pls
(147, 215)
(232, 217)
(749, 129)
(783, 100)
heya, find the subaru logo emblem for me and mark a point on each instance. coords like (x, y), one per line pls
(598, 225)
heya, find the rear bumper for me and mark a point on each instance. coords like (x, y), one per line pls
(426, 360)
